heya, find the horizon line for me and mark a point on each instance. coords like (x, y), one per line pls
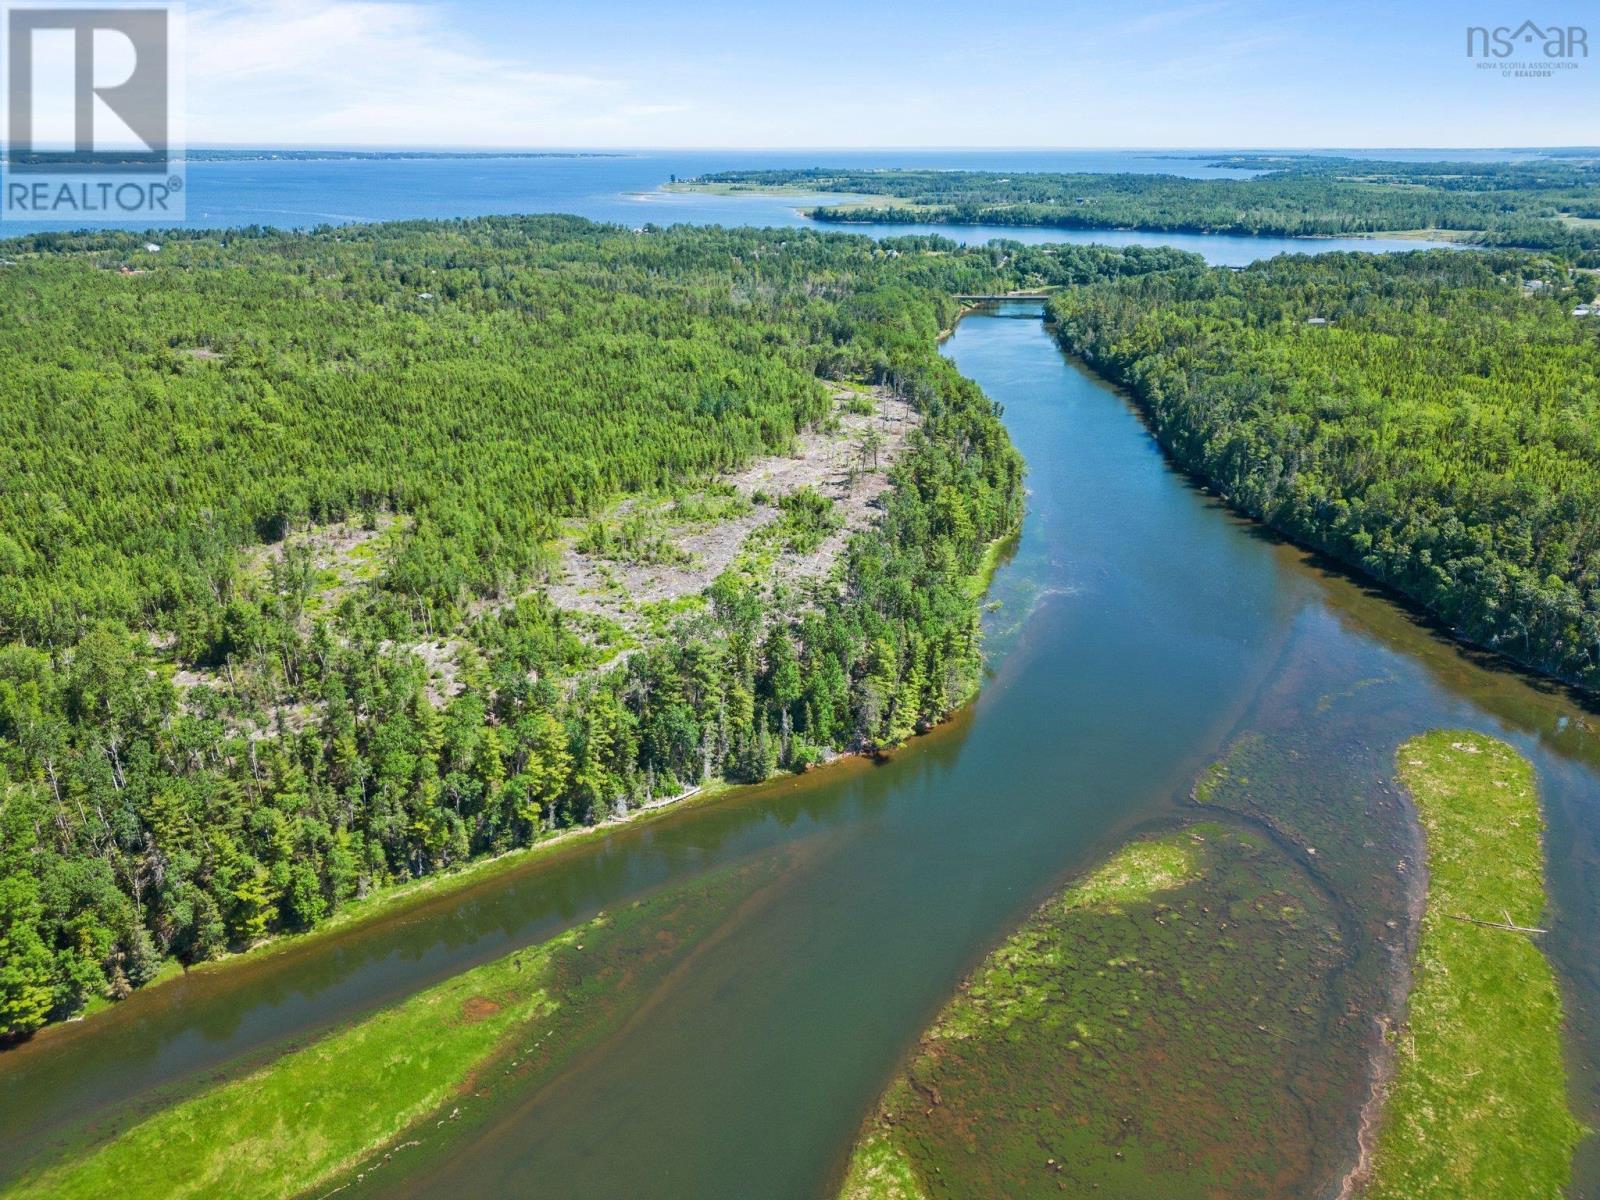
(947, 148)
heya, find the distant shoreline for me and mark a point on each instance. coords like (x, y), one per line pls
(45, 157)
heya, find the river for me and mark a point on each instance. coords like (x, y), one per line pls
(1140, 630)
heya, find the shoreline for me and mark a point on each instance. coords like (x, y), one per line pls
(1385, 1058)
(1494, 658)
(464, 1030)
(1398, 973)
(1442, 239)
(1164, 877)
(385, 901)
(906, 212)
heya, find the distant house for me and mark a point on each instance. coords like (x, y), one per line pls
(1535, 285)
(1317, 321)
(151, 248)
(1584, 310)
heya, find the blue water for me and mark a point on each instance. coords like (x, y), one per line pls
(626, 189)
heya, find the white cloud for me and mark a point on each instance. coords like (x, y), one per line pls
(375, 72)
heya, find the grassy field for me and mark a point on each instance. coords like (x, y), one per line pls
(410, 1070)
(1153, 1030)
(1479, 1102)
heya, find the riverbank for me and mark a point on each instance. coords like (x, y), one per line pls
(395, 898)
(1151, 617)
(397, 735)
(1478, 1106)
(332, 1107)
(1237, 406)
(392, 901)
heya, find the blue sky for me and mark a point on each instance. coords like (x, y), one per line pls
(838, 73)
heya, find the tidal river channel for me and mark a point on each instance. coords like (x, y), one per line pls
(1138, 633)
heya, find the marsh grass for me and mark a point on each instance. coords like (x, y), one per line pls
(1478, 1107)
(407, 1071)
(1152, 1030)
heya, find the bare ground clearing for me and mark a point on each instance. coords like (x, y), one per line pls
(848, 464)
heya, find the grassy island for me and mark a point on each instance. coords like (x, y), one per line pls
(1151, 1030)
(1478, 1106)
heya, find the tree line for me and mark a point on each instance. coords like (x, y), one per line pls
(1431, 419)
(1543, 204)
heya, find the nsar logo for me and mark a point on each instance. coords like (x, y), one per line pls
(1541, 51)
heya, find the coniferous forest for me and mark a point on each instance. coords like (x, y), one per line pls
(203, 741)
(1431, 419)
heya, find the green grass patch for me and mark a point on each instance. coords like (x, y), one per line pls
(323, 1110)
(1138, 873)
(1478, 1106)
(808, 517)
(880, 1170)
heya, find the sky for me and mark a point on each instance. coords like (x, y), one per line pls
(849, 73)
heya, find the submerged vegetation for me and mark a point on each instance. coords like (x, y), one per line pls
(397, 1078)
(278, 512)
(1431, 419)
(1478, 1106)
(1547, 205)
(1152, 1030)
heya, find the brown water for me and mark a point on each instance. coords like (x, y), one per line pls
(1142, 633)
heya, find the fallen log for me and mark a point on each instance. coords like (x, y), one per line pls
(1508, 924)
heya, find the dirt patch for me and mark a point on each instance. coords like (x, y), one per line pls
(478, 1008)
(442, 659)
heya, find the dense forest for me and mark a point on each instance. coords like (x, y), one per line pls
(202, 742)
(1432, 419)
(1547, 205)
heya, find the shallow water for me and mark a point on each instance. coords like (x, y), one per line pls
(1142, 631)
